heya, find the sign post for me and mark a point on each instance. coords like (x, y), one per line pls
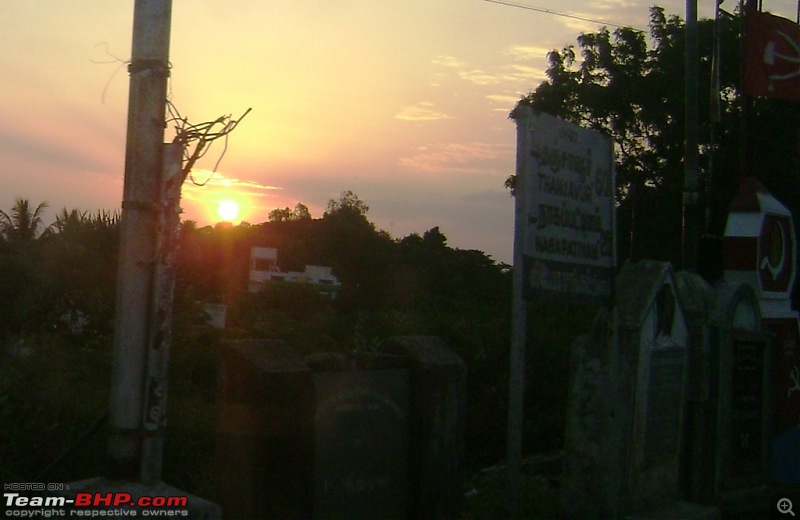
(564, 239)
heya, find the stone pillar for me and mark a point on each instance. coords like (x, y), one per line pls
(624, 437)
(436, 435)
(742, 389)
(335, 436)
(264, 432)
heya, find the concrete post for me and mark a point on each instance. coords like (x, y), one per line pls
(690, 195)
(519, 317)
(149, 70)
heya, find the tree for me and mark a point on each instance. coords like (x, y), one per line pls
(358, 252)
(435, 238)
(24, 224)
(347, 202)
(73, 272)
(632, 89)
(280, 215)
(69, 221)
(300, 212)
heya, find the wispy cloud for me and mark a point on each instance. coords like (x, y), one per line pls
(509, 73)
(609, 13)
(523, 66)
(527, 52)
(613, 6)
(203, 183)
(503, 98)
(472, 157)
(504, 102)
(581, 26)
(480, 77)
(448, 61)
(422, 111)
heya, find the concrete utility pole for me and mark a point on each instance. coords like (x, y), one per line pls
(130, 393)
(690, 192)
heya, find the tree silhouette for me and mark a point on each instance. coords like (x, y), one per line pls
(24, 224)
(347, 202)
(632, 88)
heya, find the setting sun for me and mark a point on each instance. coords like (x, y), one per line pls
(228, 210)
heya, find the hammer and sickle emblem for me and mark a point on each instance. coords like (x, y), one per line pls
(775, 260)
(770, 56)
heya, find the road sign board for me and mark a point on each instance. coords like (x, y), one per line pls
(565, 182)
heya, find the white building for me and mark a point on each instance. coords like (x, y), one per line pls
(263, 263)
(264, 269)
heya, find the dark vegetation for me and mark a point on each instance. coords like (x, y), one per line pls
(58, 293)
(631, 86)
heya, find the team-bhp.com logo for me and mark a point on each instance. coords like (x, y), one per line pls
(116, 504)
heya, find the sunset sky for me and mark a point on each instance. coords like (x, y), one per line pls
(405, 103)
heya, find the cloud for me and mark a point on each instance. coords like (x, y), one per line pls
(422, 111)
(202, 184)
(612, 5)
(609, 13)
(513, 78)
(518, 69)
(212, 179)
(474, 157)
(448, 61)
(480, 77)
(507, 99)
(526, 52)
(509, 73)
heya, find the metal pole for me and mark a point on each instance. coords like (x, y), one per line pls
(149, 70)
(690, 195)
(519, 315)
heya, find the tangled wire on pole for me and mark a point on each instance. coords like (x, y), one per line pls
(196, 139)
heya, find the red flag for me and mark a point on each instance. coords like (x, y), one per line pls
(772, 56)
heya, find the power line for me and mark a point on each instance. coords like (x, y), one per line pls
(564, 15)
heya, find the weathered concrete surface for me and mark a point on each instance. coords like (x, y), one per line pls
(593, 462)
(264, 432)
(438, 401)
(278, 430)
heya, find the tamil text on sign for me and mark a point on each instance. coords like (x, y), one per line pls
(566, 176)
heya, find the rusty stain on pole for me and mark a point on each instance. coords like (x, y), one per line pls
(149, 71)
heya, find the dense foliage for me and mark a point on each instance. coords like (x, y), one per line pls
(58, 298)
(632, 88)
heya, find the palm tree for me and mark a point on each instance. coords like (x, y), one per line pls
(69, 221)
(23, 225)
